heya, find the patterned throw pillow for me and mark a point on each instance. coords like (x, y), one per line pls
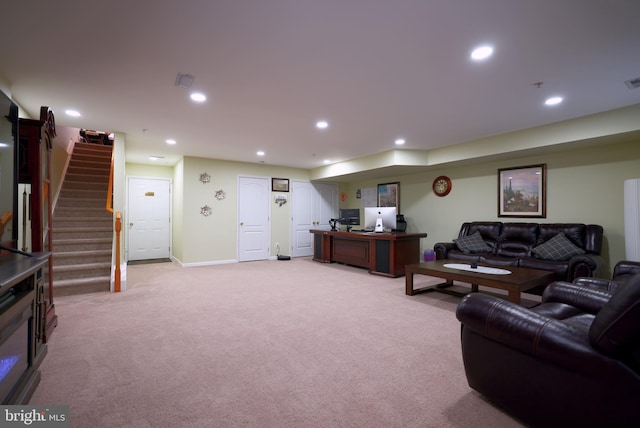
(558, 248)
(472, 244)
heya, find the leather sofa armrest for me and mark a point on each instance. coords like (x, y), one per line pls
(519, 328)
(442, 249)
(626, 267)
(590, 300)
(596, 283)
(586, 265)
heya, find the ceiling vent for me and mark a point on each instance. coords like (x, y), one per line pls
(633, 83)
(184, 80)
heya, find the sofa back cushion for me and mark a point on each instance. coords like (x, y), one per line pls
(559, 248)
(517, 239)
(472, 244)
(489, 230)
(616, 328)
(574, 231)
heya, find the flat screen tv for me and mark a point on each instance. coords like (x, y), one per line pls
(386, 214)
(349, 216)
(8, 168)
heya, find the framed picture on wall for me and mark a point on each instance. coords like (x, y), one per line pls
(279, 184)
(389, 195)
(522, 191)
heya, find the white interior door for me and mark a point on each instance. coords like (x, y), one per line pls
(254, 230)
(326, 204)
(312, 205)
(302, 218)
(149, 213)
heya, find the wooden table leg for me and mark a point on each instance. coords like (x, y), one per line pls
(408, 277)
(409, 290)
(514, 296)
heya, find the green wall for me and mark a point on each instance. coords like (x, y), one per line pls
(197, 239)
(583, 186)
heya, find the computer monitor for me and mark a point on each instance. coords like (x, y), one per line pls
(386, 214)
(349, 216)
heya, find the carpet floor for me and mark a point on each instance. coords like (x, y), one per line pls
(261, 344)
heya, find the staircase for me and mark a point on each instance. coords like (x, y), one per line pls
(82, 228)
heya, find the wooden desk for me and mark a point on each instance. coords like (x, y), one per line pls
(381, 253)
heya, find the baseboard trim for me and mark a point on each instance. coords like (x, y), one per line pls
(210, 263)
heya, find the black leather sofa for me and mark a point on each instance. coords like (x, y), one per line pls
(573, 360)
(575, 248)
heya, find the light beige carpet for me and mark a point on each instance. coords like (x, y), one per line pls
(261, 344)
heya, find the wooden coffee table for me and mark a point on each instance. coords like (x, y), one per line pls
(520, 279)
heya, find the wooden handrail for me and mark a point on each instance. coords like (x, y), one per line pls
(117, 283)
(109, 205)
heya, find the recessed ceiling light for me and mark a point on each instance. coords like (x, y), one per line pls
(198, 97)
(260, 153)
(153, 158)
(326, 161)
(322, 124)
(72, 113)
(4, 145)
(170, 141)
(553, 101)
(400, 141)
(482, 52)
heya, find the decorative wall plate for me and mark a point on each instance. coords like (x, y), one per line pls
(205, 211)
(220, 194)
(441, 185)
(205, 178)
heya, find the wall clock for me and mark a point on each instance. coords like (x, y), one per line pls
(441, 186)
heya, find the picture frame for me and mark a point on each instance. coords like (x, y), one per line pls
(389, 195)
(279, 184)
(522, 191)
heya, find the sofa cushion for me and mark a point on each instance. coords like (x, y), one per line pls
(489, 230)
(574, 231)
(517, 239)
(616, 328)
(558, 248)
(472, 244)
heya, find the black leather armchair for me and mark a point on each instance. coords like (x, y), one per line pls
(573, 360)
(622, 273)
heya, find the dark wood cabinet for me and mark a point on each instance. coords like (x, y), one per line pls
(381, 253)
(34, 168)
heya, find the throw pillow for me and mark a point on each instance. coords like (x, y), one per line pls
(558, 248)
(472, 244)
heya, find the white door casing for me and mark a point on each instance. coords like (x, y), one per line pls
(148, 218)
(254, 229)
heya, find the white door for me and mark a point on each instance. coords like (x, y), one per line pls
(149, 211)
(253, 218)
(302, 218)
(312, 205)
(326, 204)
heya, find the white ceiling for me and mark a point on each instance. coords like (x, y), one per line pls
(375, 69)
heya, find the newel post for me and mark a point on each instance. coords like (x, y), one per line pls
(116, 286)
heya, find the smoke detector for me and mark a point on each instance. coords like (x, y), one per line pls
(184, 80)
(633, 83)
